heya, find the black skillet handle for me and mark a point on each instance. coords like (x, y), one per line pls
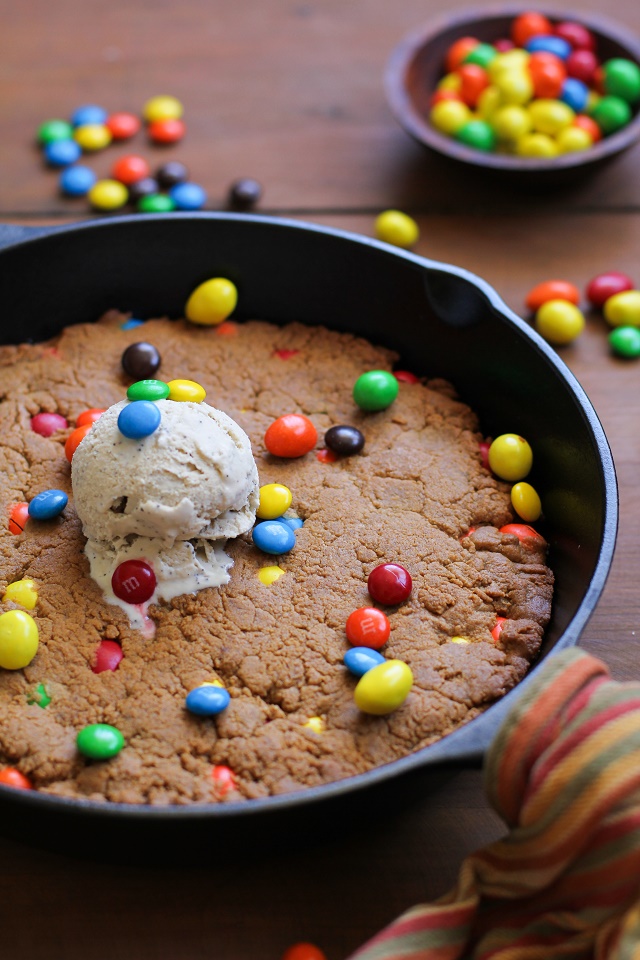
(12, 233)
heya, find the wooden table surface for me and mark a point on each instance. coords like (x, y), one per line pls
(290, 92)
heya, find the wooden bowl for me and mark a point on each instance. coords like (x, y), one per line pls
(417, 63)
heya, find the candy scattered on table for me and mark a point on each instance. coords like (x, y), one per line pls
(559, 321)
(19, 639)
(625, 342)
(134, 581)
(605, 285)
(130, 168)
(551, 290)
(368, 627)
(108, 195)
(244, 193)
(397, 228)
(623, 309)
(77, 180)
(23, 592)
(155, 203)
(290, 436)
(384, 688)
(100, 741)
(171, 173)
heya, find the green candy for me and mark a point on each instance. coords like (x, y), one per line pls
(54, 130)
(375, 390)
(39, 696)
(625, 341)
(100, 741)
(482, 55)
(477, 134)
(148, 390)
(622, 79)
(156, 203)
(611, 114)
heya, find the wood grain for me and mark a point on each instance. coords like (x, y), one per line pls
(291, 93)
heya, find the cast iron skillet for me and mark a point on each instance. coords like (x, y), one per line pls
(443, 321)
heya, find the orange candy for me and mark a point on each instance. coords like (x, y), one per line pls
(529, 25)
(303, 951)
(18, 516)
(527, 536)
(223, 780)
(441, 95)
(89, 416)
(290, 436)
(75, 439)
(548, 74)
(551, 290)
(474, 80)
(458, 51)
(11, 777)
(497, 630)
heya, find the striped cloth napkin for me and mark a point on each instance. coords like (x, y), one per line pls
(564, 773)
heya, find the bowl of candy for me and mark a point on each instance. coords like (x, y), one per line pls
(533, 95)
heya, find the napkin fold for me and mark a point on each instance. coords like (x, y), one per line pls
(564, 773)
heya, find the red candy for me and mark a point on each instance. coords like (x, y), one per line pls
(441, 95)
(326, 456)
(368, 627)
(473, 80)
(458, 51)
(527, 536)
(133, 581)
(390, 584)
(291, 436)
(18, 516)
(576, 34)
(46, 424)
(223, 780)
(285, 354)
(497, 630)
(582, 64)
(167, 131)
(529, 25)
(11, 777)
(606, 285)
(122, 126)
(108, 656)
(130, 168)
(483, 447)
(89, 417)
(304, 951)
(405, 376)
(75, 439)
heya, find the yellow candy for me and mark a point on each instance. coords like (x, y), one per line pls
(526, 501)
(559, 321)
(550, 116)
(269, 575)
(92, 136)
(459, 640)
(623, 309)
(23, 592)
(508, 62)
(572, 139)
(451, 81)
(316, 724)
(593, 99)
(511, 122)
(515, 86)
(162, 108)
(18, 639)
(186, 390)
(536, 145)
(488, 102)
(275, 499)
(395, 227)
(212, 302)
(510, 457)
(384, 688)
(212, 683)
(448, 116)
(108, 195)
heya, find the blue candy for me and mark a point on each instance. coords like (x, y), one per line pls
(62, 153)
(131, 323)
(575, 94)
(48, 504)
(293, 522)
(549, 44)
(77, 181)
(139, 419)
(359, 660)
(188, 196)
(89, 113)
(207, 701)
(274, 537)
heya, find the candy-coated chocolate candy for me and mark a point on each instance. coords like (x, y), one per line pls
(497, 630)
(269, 575)
(39, 696)
(148, 390)
(375, 390)
(575, 94)
(188, 196)
(510, 457)
(207, 701)
(130, 168)
(511, 122)
(525, 501)
(108, 195)
(384, 688)
(285, 354)
(141, 360)
(515, 87)
(623, 309)
(133, 581)
(244, 193)
(389, 583)
(23, 592)
(503, 45)
(292, 435)
(162, 107)
(100, 741)
(186, 391)
(89, 416)
(171, 173)
(460, 640)
(139, 419)
(582, 64)
(166, 131)
(212, 302)
(449, 115)
(155, 203)
(572, 139)
(93, 136)
(576, 34)
(451, 81)
(611, 114)
(621, 78)
(131, 323)
(527, 25)
(46, 424)
(589, 126)
(481, 55)
(147, 187)
(48, 504)
(11, 777)
(488, 102)
(18, 639)
(606, 285)
(393, 226)
(527, 536)
(62, 153)
(477, 134)
(473, 80)
(405, 376)
(537, 145)
(108, 656)
(550, 116)
(559, 321)
(316, 724)
(548, 74)
(275, 499)
(326, 456)
(52, 130)
(88, 113)
(293, 522)
(122, 126)
(625, 341)
(303, 951)
(75, 439)
(458, 51)
(274, 537)
(549, 44)
(77, 180)
(223, 780)
(18, 516)
(344, 440)
(368, 627)
(360, 659)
